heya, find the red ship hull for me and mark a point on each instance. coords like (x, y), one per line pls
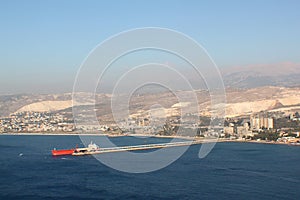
(63, 152)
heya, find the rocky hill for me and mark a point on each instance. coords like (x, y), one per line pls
(239, 102)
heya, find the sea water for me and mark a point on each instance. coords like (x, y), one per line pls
(230, 171)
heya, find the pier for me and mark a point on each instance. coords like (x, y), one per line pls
(87, 151)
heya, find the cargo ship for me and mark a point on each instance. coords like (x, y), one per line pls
(92, 148)
(62, 152)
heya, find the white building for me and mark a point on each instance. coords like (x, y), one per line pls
(260, 122)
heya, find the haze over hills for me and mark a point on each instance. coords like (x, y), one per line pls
(249, 89)
(280, 74)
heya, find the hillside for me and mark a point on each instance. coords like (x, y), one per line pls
(239, 102)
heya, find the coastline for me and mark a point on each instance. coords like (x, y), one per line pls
(200, 140)
(53, 134)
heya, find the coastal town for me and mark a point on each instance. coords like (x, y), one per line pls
(149, 100)
(36, 122)
(264, 126)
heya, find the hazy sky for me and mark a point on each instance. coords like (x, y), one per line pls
(42, 43)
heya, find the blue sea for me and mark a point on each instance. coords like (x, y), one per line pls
(230, 171)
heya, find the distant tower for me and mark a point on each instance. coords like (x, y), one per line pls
(254, 123)
(270, 123)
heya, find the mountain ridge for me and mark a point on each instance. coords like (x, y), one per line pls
(240, 101)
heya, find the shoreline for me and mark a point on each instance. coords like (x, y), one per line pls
(200, 140)
(53, 134)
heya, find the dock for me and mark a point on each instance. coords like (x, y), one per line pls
(86, 151)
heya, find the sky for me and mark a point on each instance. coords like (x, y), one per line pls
(43, 43)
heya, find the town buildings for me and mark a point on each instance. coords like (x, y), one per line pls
(261, 121)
